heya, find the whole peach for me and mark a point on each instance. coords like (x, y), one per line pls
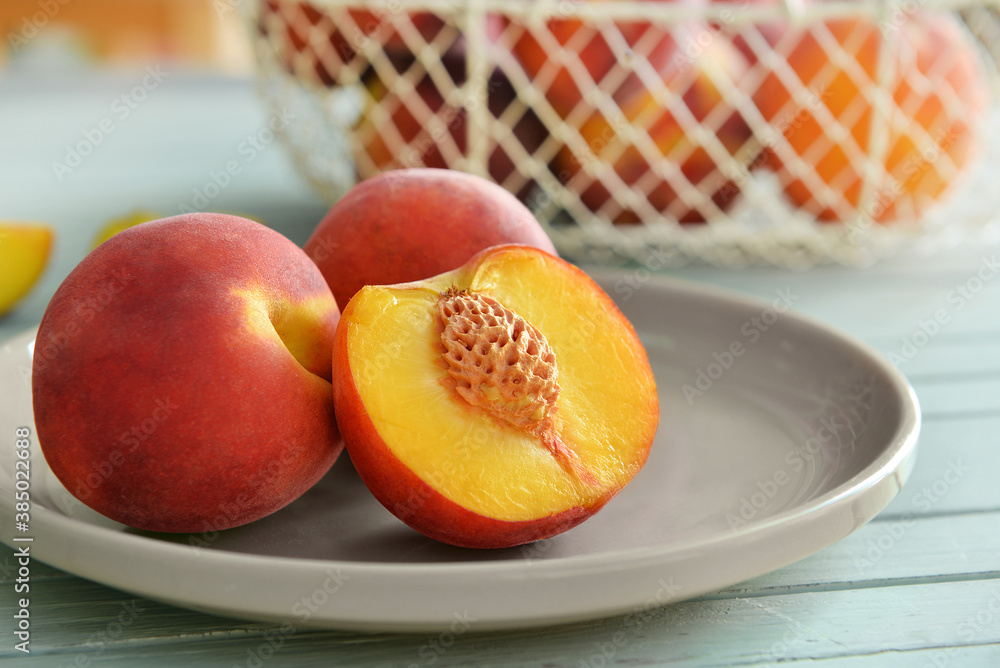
(181, 375)
(410, 224)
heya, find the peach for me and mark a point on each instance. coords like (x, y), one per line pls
(421, 129)
(657, 125)
(24, 253)
(546, 54)
(937, 91)
(409, 224)
(316, 43)
(405, 136)
(770, 31)
(497, 404)
(181, 377)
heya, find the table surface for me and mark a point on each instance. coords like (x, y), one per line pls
(929, 594)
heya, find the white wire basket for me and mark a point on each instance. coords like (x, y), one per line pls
(781, 132)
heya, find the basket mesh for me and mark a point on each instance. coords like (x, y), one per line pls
(754, 131)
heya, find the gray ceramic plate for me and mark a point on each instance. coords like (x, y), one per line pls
(778, 437)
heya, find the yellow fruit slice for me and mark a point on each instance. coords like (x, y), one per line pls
(24, 253)
(137, 217)
(116, 225)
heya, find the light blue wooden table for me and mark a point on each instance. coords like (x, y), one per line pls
(919, 586)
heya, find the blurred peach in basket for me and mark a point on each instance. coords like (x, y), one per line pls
(322, 43)
(427, 125)
(192, 33)
(660, 110)
(567, 56)
(668, 147)
(935, 92)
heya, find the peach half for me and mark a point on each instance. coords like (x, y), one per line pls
(497, 404)
(24, 253)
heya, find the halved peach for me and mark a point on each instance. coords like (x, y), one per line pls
(121, 223)
(500, 403)
(24, 253)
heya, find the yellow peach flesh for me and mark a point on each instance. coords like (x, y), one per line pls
(494, 469)
(24, 254)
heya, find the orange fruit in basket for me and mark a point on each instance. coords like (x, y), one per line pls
(566, 57)
(317, 43)
(654, 139)
(752, 39)
(936, 93)
(403, 126)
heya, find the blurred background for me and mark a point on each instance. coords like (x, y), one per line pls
(117, 111)
(199, 34)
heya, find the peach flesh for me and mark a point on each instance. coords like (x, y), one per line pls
(473, 470)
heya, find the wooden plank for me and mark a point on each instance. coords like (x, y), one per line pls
(987, 655)
(76, 615)
(962, 303)
(955, 470)
(735, 631)
(67, 611)
(961, 396)
(911, 549)
(905, 316)
(946, 358)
